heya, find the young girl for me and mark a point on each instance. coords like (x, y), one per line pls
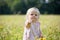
(32, 25)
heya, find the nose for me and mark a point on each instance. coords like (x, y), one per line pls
(33, 15)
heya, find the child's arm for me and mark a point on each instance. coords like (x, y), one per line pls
(40, 31)
(27, 26)
(26, 33)
(41, 36)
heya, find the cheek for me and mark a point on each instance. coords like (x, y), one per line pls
(29, 17)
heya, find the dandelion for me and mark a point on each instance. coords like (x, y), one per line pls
(42, 38)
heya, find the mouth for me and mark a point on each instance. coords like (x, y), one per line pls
(33, 18)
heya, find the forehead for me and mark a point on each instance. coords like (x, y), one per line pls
(33, 12)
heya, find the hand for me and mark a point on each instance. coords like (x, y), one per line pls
(28, 25)
(41, 36)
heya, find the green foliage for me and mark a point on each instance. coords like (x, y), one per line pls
(4, 9)
(16, 6)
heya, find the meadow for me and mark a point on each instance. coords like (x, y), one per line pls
(12, 27)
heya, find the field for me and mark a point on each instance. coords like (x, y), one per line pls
(12, 27)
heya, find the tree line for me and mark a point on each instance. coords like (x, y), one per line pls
(21, 6)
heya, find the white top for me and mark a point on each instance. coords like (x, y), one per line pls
(32, 32)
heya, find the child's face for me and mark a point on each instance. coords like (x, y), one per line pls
(33, 16)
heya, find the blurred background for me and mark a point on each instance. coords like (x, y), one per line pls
(12, 18)
(21, 6)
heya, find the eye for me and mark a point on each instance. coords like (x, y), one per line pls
(31, 14)
(35, 14)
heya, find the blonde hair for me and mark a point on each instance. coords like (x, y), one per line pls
(30, 10)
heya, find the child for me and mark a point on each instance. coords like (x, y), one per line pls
(32, 25)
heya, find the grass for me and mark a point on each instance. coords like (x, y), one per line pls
(12, 27)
